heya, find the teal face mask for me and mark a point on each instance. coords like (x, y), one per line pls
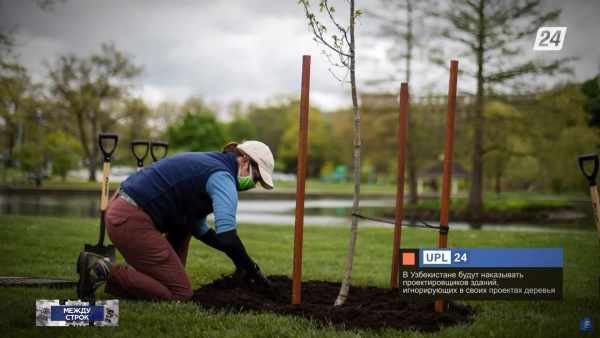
(246, 183)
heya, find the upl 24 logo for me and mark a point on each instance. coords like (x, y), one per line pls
(550, 38)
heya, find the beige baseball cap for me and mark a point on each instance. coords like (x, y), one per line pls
(261, 154)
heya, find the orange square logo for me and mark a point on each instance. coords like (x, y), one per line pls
(408, 258)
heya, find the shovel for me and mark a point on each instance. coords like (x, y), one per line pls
(592, 182)
(159, 144)
(100, 248)
(140, 159)
(593, 190)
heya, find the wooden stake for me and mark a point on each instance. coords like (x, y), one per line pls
(400, 186)
(446, 186)
(301, 180)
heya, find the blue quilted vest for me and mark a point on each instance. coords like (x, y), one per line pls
(172, 191)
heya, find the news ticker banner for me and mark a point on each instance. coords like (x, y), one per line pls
(481, 274)
(64, 312)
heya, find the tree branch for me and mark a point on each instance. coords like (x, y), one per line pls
(531, 67)
(318, 35)
(337, 77)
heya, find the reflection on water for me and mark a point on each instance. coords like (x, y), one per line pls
(47, 205)
(317, 212)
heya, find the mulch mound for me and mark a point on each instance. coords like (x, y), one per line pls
(366, 307)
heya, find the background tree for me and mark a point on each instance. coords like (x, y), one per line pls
(165, 114)
(197, 132)
(318, 151)
(136, 115)
(270, 123)
(196, 104)
(28, 156)
(559, 123)
(379, 142)
(342, 125)
(398, 19)
(64, 152)
(344, 47)
(489, 30)
(240, 128)
(501, 142)
(591, 90)
(14, 83)
(90, 87)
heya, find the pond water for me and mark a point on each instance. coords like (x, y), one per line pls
(319, 212)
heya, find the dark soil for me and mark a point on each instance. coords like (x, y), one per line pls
(366, 308)
(507, 216)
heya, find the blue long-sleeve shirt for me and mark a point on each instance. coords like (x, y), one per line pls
(222, 189)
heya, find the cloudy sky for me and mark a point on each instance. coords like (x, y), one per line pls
(248, 50)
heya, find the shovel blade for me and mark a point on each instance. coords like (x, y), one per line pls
(102, 250)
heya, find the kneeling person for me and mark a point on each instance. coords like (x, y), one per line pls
(174, 196)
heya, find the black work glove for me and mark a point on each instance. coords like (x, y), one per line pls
(231, 245)
(210, 238)
(239, 270)
(257, 277)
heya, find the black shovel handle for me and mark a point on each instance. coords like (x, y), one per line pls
(159, 144)
(140, 159)
(108, 154)
(590, 177)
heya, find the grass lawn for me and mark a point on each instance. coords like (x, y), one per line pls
(49, 247)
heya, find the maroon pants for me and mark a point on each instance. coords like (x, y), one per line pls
(159, 261)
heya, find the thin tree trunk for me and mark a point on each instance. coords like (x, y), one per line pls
(20, 127)
(95, 151)
(9, 142)
(412, 172)
(354, 228)
(475, 200)
(498, 179)
(410, 158)
(84, 144)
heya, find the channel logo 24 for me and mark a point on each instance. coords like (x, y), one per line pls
(550, 38)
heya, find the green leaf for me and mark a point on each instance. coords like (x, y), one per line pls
(358, 13)
(332, 10)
